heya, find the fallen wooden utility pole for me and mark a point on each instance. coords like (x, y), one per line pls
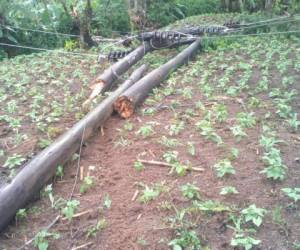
(109, 76)
(126, 103)
(41, 168)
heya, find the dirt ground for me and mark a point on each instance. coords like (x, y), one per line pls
(109, 157)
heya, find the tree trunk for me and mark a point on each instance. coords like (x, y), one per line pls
(41, 168)
(127, 102)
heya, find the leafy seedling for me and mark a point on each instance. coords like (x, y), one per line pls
(70, 209)
(228, 190)
(224, 167)
(41, 239)
(138, 165)
(244, 241)
(88, 182)
(292, 193)
(190, 191)
(254, 214)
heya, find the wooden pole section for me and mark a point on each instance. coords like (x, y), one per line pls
(41, 168)
(105, 81)
(127, 102)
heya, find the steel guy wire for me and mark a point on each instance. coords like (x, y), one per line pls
(256, 34)
(266, 24)
(49, 50)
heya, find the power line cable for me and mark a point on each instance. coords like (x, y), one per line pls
(49, 50)
(256, 34)
(266, 24)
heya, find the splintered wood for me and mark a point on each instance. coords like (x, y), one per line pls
(124, 107)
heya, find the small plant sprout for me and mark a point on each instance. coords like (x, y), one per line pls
(138, 165)
(59, 172)
(101, 224)
(294, 122)
(254, 214)
(238, 132)
(145, 131)
(41, 239)
(190, 191)
(228, 190)
(224, 167)
(244, 241)
(21, 214)
(234, 153)
(292, 193)
(107, 201)
(220, 112)
(149, 193)
(88, 183)
(171, 156)
(70, 209)
(246, 120)
(176, 128)
(191, 148)
(14, 161)
(168, 142)
(185, 240)
(208, 132)
(128, 126)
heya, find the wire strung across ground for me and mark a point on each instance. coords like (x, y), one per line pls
(263, 25)
(48, 50)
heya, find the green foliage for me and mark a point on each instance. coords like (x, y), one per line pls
(138, 165)
(190, 191)
(208, 131)
(87, 183)
(70, 209)
(210, 206)
(107, 201)
(186, 240)
(254, 214)
(244, 241)
(145, 131)
(149, 193)
(101, 224)
(292, 193)
(14, 161)
(224, 167)
(41, 239)
(228, 190)
(21, 214)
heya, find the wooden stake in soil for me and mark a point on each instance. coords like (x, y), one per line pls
(127, 102)
(41, 168)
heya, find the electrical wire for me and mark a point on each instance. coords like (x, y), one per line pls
(266, 24)
(256, 34)
(48, 50)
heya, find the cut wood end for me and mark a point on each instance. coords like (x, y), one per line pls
(124, 106)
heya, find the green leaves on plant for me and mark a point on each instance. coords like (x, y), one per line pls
(292, 193)
(70, 209)
(246, 242)
(41, 239)
(208, 132)
(14, 161)
(138, 165)
(87, 183)
(224, 167)
(149, 193)
(254, 214)
(228, 190)
(190, 191)
(246, 120)
(186, 240)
